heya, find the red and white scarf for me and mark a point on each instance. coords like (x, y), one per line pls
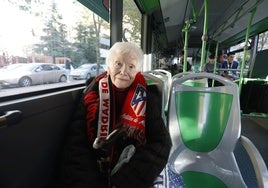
(133, 111)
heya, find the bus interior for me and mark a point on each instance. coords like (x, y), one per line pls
(34, 124)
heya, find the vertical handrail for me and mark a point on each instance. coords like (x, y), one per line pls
(216, 57)
(215, 62)
(245, 50)
(204, 36)
(186, 37)
(186, 31)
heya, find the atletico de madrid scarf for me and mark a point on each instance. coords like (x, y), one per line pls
(133, 111)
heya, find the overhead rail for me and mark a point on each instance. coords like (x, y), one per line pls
(245, 8)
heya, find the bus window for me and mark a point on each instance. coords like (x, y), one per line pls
(49, 32)
(131, 22)
(263, 41)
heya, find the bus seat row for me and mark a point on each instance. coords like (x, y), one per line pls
(205, 127)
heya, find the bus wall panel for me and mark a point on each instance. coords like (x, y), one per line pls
(31, 150)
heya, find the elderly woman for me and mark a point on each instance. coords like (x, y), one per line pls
(117, 137)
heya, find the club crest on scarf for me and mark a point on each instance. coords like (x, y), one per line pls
(139, 100)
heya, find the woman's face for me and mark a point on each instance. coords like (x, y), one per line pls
(123, 70)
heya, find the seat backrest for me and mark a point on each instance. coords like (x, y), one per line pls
(204, 124)
(154, 81)
(168, 74)
(166, 80)
(196, 82)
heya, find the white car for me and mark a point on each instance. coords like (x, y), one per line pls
(86, 71)
(31, 74)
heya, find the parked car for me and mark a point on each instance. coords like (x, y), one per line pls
(31, 74)
(86, 71)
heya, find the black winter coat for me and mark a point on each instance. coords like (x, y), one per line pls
(80, 167)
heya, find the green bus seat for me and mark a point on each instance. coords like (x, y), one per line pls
(205, 125)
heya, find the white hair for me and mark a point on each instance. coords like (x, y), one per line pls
(128, 48)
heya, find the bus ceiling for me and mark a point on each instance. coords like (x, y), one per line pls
(226, 22)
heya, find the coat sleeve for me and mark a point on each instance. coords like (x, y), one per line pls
(79, 169)
(150, 159)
